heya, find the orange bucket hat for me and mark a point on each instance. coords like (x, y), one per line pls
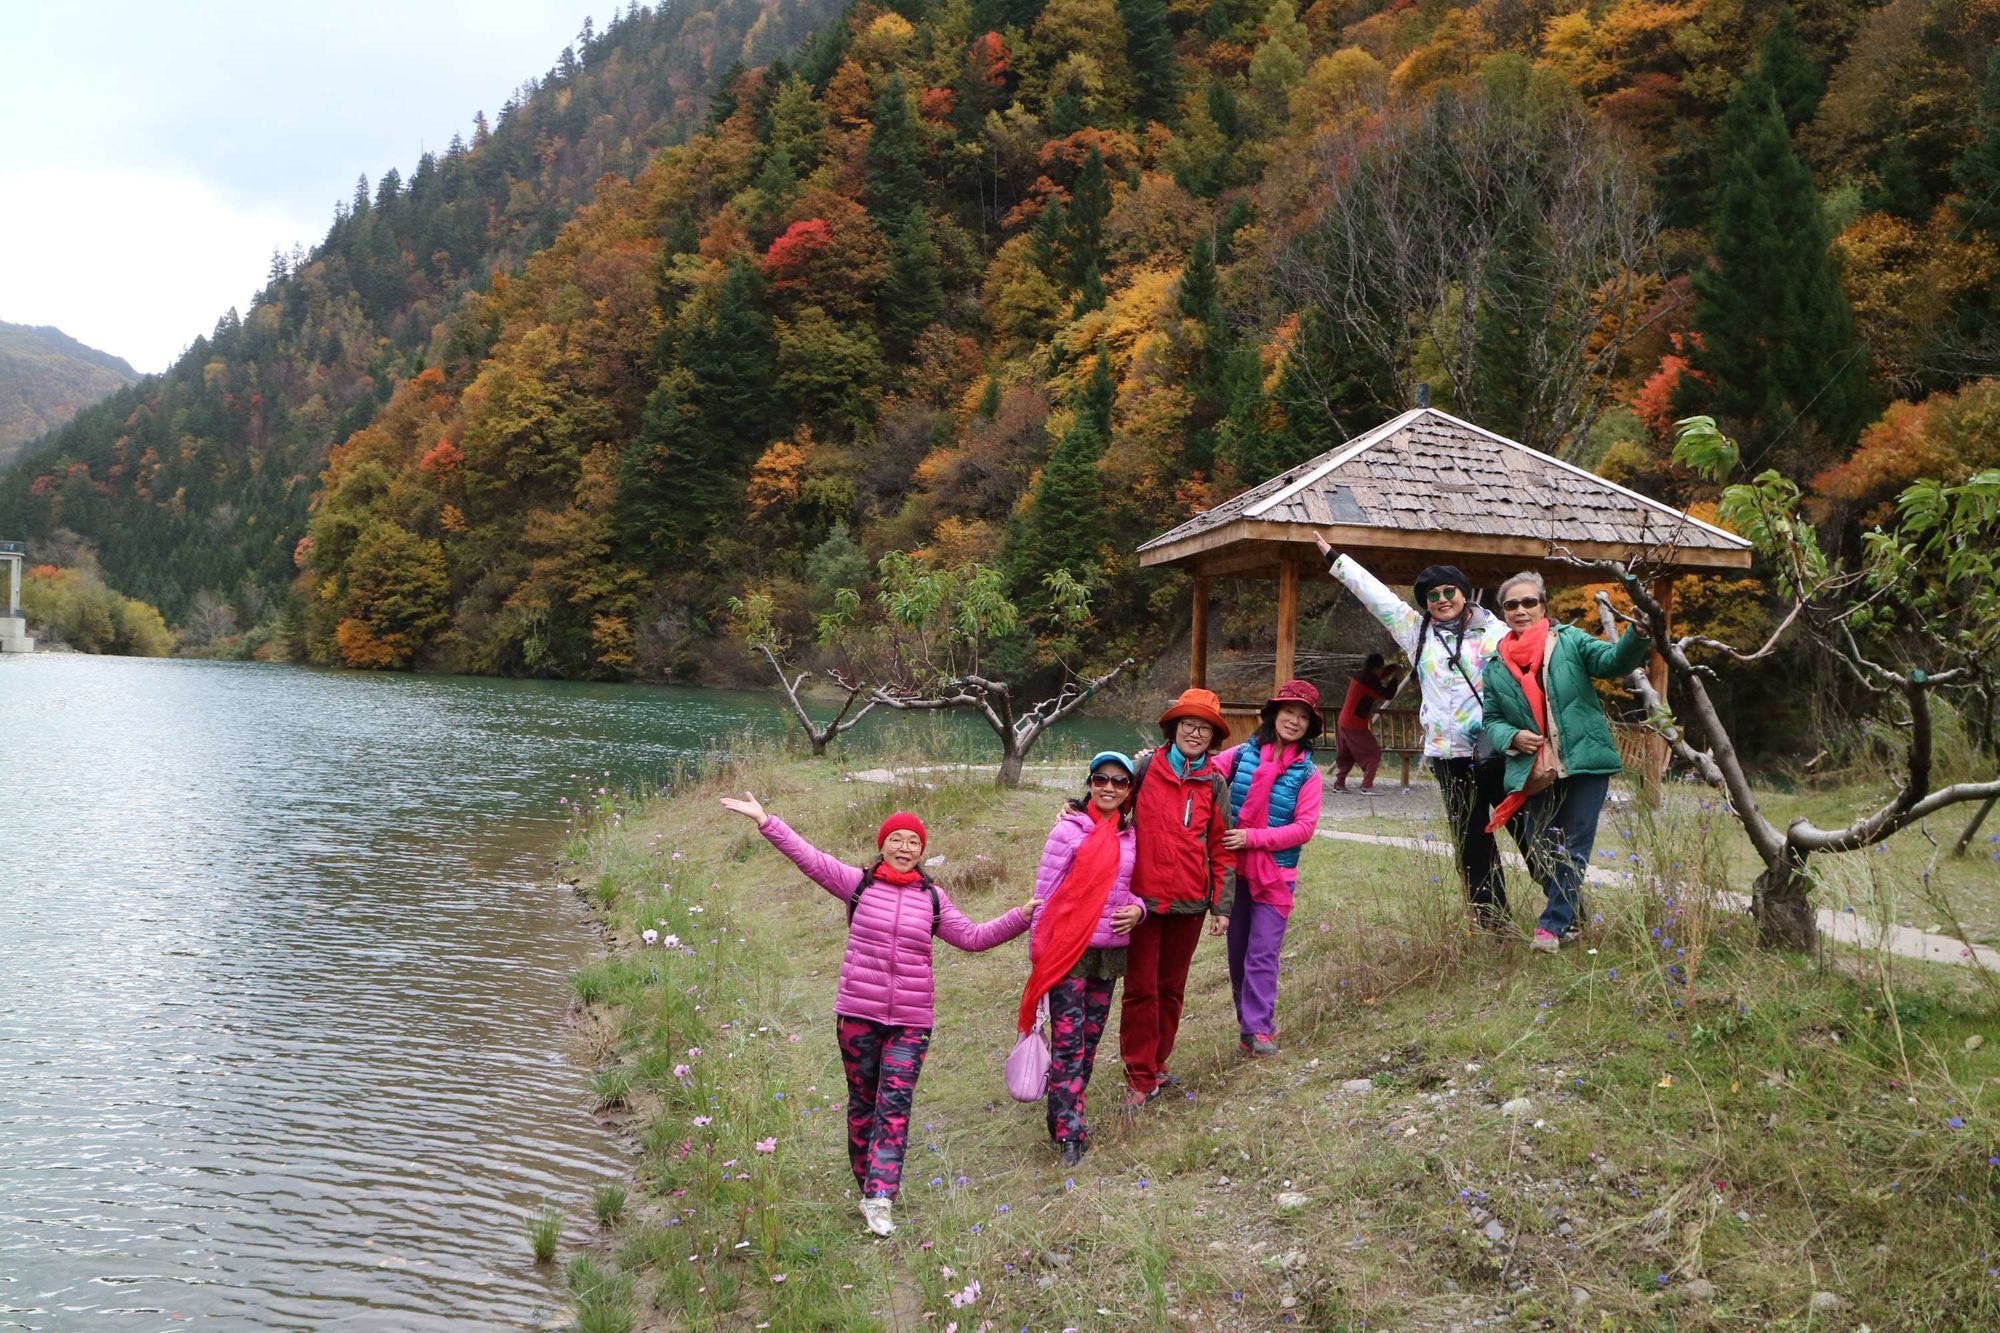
(1201, 705)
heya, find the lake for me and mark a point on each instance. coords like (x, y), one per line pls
(284, 977)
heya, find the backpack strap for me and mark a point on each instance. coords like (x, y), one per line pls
(868, 878)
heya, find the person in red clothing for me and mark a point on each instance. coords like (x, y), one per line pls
(1367, 690)
(1180, 810)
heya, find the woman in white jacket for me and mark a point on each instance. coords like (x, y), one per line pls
(1447, 641)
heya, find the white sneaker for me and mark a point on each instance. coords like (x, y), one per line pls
(875, 1215)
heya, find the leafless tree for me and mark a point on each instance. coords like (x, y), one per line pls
(1510, 241)
(993, 701)
(820, 734)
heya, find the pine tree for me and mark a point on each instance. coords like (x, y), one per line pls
(1083, 227)
(1794, 78)
(1777, 340)
(1977, 171)
(893, 163)
(704, 424)
(913, 292)
(1065, 522)
(1331, 388)
(1208, 384)
(1149, 46)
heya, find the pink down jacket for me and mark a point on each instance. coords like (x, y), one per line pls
(885, 975)
(1072, 827)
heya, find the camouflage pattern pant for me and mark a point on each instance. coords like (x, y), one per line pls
(1078, 1007)
(882, 1064)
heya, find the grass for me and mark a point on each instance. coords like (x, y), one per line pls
(607, 1204)
(1696, 1112)
(545, 1234)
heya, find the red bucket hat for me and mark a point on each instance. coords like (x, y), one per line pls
(1302, 692)
(1201, 705)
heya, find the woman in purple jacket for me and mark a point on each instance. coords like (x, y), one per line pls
(1080, 999)
(883, 1007)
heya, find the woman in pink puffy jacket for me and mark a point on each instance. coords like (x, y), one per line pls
(1078, 944)
(883, 1008)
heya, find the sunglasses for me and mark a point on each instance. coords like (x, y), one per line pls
(1443, 594)
(1109, 780)
(1520, 603)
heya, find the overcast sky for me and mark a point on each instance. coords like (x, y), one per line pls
(153, 152)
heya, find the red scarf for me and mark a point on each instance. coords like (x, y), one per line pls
(1066, 922)
(1521, 651)
(1258, 869)
(888, 874)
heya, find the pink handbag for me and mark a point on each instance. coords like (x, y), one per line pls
(1028, 1066)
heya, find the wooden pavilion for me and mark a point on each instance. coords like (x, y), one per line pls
(1427, 488)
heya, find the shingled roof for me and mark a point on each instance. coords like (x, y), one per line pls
(1427, 487)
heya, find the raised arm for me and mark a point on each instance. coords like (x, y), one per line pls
(960, 931)
(1402, 620)
(1610, 661)
(830, 873)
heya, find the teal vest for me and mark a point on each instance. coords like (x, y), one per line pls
(1284, 794)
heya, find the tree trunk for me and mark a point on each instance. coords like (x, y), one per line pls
(818, 739)
(1781, 900)
(1010, 767)
(1972, 829)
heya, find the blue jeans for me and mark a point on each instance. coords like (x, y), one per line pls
(1556, 833)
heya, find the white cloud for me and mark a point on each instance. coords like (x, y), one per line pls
(134, 264)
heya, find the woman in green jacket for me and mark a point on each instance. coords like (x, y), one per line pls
(1538, 695)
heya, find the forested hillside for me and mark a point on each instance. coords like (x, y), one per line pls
(45, 376)
(201, 480)
(1018, 284)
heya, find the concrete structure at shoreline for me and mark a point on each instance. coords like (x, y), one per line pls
(13, 625)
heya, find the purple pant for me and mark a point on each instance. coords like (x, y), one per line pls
(1256, 933)
(882, 1064)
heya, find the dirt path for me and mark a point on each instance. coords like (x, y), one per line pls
(1413, 803)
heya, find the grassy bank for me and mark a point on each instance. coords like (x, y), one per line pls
(1659, 1129)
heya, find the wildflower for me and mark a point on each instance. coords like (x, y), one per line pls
(1003, 1207)
(681, 1072)
(777, 1277)
(1955, 1123)
(1071, 1184)
(1611, 974)
(767, 1145)
(672, 941)
(936, 1181)
(701, 1121)
(694, 1052)
(650, 936)
(1666, 1081)
(794, 1039)
(966, 1297)
(946, 1270)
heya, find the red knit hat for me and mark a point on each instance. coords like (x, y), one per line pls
(902, 820)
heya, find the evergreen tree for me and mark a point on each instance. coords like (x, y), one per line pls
(1208, 378)
(704, 424)
(913, 292)
(1794, 78)
(1083, 224)
(893, 163)
(1777, 341)
(1065, 522)
(1977, 171)
(1331, 388)
(1149, 47)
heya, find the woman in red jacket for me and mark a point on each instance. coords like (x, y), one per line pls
(1180, 810)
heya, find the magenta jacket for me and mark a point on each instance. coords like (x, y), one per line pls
(1072, 827)
(885, 975)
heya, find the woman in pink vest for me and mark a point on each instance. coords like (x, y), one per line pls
(883, 1008)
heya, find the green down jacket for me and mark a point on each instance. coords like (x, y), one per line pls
(1572, 657)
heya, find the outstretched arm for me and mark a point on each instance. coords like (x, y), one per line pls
(830, 873)
(1402, 620)
(960, 931)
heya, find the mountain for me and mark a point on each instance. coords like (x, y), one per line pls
(45, 376)
(1014, 284)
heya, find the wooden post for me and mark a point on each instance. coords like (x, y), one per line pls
(1657, 750)
(1288, 618)
(1198, 636)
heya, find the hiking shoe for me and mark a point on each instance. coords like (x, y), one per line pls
(1260, 1044)
(1572, 932)
(1071, 1151)
(1135, 1101)
(1160, 1089)
(875, 1216)
(1544, 942)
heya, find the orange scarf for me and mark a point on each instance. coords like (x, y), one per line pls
(1069, 918)
(1521, 651)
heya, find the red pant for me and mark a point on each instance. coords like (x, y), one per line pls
(1356, 745)
(1156, 972)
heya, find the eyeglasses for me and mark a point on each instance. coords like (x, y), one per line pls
(1443, 594)
(1193, 727)
(1109, 780)
(1520, 604)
